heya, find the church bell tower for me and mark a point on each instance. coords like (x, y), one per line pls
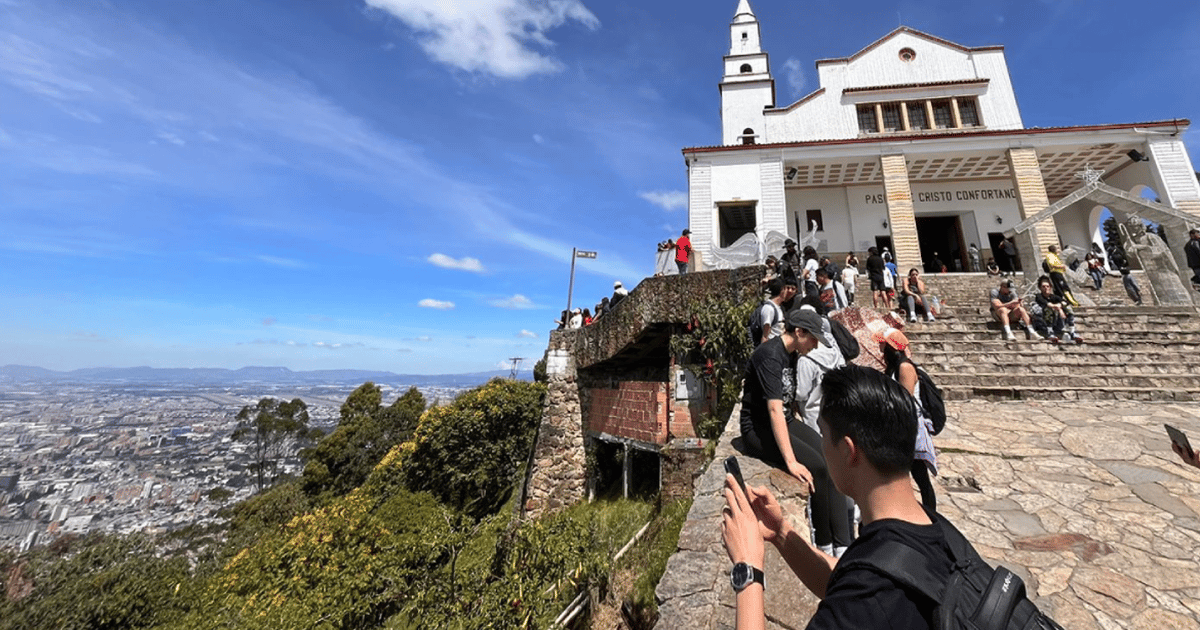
(747, 87)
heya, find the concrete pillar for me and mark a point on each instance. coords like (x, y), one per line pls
(1031, 199)
(626, 470)
(901, 217)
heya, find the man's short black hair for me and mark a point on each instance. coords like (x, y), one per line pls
(821, 271)
(775, 286)
(816, 304)
(872, 250)
(876, 413)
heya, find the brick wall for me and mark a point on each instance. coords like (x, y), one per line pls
(635, 410)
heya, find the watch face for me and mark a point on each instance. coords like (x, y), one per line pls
(741, 576)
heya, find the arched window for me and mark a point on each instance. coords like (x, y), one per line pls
(746, 69)
(747, 136)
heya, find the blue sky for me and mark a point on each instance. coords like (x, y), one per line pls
(397, 184)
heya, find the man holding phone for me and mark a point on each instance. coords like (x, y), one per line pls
(868, 433)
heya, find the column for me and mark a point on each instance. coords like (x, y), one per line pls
(1027, 179)
(901, 217)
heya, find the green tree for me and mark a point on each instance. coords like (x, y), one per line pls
(467, 453)
(275, 430)
(539, 371)
(366, 432)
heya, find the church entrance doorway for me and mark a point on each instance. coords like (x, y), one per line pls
(736, 221)
(941, 239)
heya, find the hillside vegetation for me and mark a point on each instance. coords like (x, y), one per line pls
(401, 519)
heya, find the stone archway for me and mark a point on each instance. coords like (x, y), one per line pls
(1120, 202)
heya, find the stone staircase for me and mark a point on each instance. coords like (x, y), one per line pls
(1141, 353)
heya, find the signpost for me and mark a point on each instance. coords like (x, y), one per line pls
(575, 253)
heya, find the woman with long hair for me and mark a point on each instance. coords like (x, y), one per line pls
(901, 369)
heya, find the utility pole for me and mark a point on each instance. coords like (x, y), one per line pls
(575, 253)
(516, 366)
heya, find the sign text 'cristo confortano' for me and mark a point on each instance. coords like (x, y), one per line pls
(934, 196)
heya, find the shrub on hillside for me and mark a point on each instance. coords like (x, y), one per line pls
(467, 453)
(342, 460)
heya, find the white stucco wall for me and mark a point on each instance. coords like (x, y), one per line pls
(741, 108)
(832, 115)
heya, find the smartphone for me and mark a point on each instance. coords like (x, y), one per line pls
(1177, 437)
(732, 467)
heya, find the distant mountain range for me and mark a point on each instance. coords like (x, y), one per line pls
(220, 376)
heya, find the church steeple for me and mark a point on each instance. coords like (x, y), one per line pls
(743, 32)
(747, 87)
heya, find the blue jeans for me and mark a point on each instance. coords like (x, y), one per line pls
(682, 266)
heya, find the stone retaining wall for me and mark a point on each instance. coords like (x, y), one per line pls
(628, 345)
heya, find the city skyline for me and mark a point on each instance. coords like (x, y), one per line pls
(396, 185)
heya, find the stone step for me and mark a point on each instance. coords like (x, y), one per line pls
(993, 343)
(1132, 362)
(954, 324)
(992, 392)
(1053, 364)
(1023, 379)
(984, 311)
(992, 332)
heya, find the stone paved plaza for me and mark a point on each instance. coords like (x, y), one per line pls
(1085, 501)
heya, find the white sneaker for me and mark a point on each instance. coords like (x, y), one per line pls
(1008, 336)
(929, 318)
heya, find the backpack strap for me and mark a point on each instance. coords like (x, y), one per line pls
(901, 564)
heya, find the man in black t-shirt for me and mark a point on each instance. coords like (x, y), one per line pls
(876, 267)
(868, 435)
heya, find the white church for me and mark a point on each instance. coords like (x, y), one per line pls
(917, 144)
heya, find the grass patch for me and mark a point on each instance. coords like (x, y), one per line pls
(649, 558)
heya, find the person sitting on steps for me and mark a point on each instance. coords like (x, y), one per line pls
(914, 292)
(1005, 304)
(1057, 320)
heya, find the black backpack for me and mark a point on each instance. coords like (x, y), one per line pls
(931, 400)
(756, 323)
(846, 342)
(974, 596)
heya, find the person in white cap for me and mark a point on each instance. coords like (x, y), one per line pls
(619, 293)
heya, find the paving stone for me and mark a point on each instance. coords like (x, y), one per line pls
(1158, 619)
(1131, 474)
(1022, 524)
(1099, 443)
(1158, 496)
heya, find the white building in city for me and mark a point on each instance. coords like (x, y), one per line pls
(915, 143)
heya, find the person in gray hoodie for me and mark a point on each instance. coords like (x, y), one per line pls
(811, 368)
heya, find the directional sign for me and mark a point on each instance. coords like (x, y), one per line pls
(583, 254)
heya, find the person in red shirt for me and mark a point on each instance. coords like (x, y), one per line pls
(683, 251)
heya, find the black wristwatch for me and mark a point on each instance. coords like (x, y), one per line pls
(743, 575)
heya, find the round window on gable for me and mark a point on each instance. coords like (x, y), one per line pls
(907, 54)
(746, 69)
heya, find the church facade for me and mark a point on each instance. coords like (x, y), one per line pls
(914, 143)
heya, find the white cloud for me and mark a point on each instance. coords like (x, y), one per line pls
(537, 137)
(268, 321)
(527, 334)
(794, 75)
(438, 304)
(666, 199)
(280, 262)
(495, 37)
(465, 264)
(517, 301)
